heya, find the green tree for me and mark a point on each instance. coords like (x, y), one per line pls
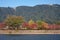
(41, 24)
(57, 22)
(14, 22)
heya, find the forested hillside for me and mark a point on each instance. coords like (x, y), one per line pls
(48, 13)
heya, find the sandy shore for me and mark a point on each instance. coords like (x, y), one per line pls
(29, 31)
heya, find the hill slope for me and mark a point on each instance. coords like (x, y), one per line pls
(48, 13)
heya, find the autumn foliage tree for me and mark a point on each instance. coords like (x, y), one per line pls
(45, 25)
(25, 25)
(14, 21)
(32, 24)
(42, 24)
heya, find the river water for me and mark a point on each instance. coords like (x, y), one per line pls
(30, 37)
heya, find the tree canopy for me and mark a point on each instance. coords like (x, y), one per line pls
(14, 21)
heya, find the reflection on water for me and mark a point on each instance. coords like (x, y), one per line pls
(30, 37)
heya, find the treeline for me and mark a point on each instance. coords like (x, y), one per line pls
(18, 22)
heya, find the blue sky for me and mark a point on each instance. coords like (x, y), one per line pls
(14, 3)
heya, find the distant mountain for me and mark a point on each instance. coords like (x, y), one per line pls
(48, 13)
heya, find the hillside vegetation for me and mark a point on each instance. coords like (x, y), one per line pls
(48, 13)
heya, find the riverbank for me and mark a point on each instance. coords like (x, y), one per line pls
(29, 31)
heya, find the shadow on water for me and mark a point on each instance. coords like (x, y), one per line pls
(13, 35)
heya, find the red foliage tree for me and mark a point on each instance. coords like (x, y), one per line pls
(2, 25)
(24, 25)
(33, 26)
(54, 26)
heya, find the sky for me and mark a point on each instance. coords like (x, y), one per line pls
(15, 3)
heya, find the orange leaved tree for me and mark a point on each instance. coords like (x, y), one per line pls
(32, 24)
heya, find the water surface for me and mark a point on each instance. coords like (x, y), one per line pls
(30, 37)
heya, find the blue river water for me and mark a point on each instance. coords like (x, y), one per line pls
(30, 37)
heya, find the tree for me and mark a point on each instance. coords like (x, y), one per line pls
(24, 25)
(58, 22)
(39, 22)
(31, 22)
(33, 26)
(45, 25)
(42, 24)
(14, 22)
(29, 25)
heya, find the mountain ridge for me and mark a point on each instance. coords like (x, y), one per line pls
(48, 13)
